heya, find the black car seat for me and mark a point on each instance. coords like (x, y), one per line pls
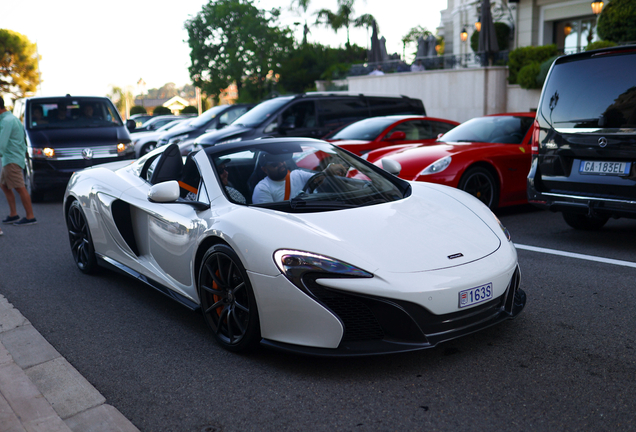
(169, 166)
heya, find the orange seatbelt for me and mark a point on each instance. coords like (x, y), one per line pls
(287, 185)
(187, 187)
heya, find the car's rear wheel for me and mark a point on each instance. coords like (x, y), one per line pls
(227, 299)
(80, 238)
(481, 184)
(585, 222)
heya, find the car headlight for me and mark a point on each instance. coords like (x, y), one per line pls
(437, 166)
(43, 153)
(295, 264)
(177, 139)
(231, 140)
(125, 147)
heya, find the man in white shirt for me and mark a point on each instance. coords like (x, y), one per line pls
(280, 184)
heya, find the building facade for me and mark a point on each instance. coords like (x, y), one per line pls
(570, 24)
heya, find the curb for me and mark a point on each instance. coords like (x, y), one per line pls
(41, 391)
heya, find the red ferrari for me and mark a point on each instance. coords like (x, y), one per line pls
(376, 132)
(488, 157)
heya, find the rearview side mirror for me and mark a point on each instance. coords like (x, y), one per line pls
(391, 166)
(131, 125)
(396, 136)
(164, 192)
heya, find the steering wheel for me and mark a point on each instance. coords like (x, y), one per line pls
(312, 184)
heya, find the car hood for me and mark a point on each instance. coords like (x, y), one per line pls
(210, 138)
(427, 231)
(413, 160)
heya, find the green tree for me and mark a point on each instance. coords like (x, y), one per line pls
(343, 17)
(161, 110)
(232, 41)
(19, 75)
(311, 62)
(304, 5)
(502, 32)
(616, 22)
(190, 109)
(138, 109)
(122, 98)
(413, 36)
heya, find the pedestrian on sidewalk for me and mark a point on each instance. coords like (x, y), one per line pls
(13, 151)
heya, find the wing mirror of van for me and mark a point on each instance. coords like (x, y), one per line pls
(130, 125)
(397, 136)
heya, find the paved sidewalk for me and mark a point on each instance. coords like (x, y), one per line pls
(40, 391)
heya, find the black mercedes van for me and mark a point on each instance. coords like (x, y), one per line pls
(69, 133)
(311, 115)
(584, 144)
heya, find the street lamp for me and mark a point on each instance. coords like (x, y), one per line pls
(567, 29)
(478, 25)
(597, 7)
(463, 35)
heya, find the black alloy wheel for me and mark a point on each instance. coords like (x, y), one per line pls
(481, 184)
(585, 222)
(80, 237)
(227, 300)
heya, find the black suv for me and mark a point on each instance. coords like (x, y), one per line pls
(311, 115)
(584, 144)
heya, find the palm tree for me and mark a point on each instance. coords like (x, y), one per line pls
(304, 5)
(343, 17)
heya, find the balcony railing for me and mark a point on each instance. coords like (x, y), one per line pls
(448, 61)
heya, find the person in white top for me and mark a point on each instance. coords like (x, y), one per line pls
(280, 184)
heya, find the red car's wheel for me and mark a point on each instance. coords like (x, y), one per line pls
(481, 184)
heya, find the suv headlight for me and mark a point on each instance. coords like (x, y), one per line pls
(437, 166)
(295, 264)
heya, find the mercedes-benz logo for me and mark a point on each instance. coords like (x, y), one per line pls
(602, 141)
(87, 153)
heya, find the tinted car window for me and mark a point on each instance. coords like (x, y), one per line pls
(204, 118)
(441, 127)
(261, 112)
(591, 94)
(230, 115)
(416, 130)
(390, 106)
(333, 113)
(496, 129)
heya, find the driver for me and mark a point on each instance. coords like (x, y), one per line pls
(281, 184)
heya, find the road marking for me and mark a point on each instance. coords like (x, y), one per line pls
(576, 255)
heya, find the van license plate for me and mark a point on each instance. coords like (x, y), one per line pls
(604, 168)
(475, 295)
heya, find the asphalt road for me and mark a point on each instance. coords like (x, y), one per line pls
(567, 363)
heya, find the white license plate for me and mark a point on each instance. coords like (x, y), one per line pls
(604, 168)
(475, 295)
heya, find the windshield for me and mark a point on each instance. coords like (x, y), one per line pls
(591, 93)
(302, 176)
(205, 118)
(172, 124)
(495, 129)
(366, 130)
(261, 112)
(72, 113)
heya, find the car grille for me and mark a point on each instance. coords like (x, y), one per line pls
(72, 153)
(359, 321)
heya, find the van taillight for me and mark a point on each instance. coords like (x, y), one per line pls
(534, 143)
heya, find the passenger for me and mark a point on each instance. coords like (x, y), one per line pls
(221, 166)
(280, 184)
(37, 116)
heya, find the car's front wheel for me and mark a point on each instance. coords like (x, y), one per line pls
(80, 238)
(227, 299)
(585, 222)
(481, 184)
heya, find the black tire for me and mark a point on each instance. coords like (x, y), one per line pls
(585, 222)
(227, 300)
(80, 238)
(480, 183)
(147, 148)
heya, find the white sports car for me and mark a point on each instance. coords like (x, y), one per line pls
(298, 245)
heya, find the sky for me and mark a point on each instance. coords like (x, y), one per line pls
(88, 47)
